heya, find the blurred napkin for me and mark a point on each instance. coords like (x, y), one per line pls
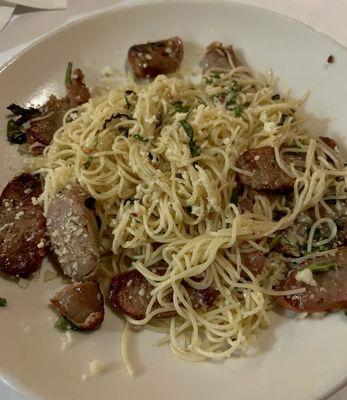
(43, 4)
(7, 7)
(5, 15)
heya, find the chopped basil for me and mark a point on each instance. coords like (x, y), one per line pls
(63, 324)
(188, 128)
(195, 150)
(130, 200)
(3, 302)
(18, 110)
(141, 138)
(238, 110)
(321, 266)
(68, 74)
(116, 116)
(89, 202)
(127, 95)
(15, 132)
(274, 242)
(208, 80)
(275, 97)
(282, 119)
(179, 107)
(235, 195)
(231, 96)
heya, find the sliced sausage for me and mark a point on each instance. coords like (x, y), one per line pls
(130, 293)
(77, 91)
(154, 58)
(22, 187)
(82, 304)
(73, 232)
(39, 125)
(22, 227)
(254, 261)
(41, 129)
(266, 173)
(329, 293)
(218, 57)
(292, 241)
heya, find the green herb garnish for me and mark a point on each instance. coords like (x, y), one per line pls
(129, 200)
(89, 202)
(3, 302)
(321, 266)
(235, 195)
(23, 112)
(188, 128)
(141, 138)
(63, 324)
(231, 96)
(116, 116)
(68, 74)
(238, 110)
(195, 150)
(15, 132)
(282, 119)
(274, 242)
(179, 107)
(208, 81)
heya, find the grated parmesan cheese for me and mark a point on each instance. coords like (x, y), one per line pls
(306, 276)
(96, 367)
(19, 214)
(41, 245)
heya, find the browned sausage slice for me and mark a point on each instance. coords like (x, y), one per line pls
(22, 227)
(154, 58)
(77, 91)
(41, 124)
(218, 57)
(41, 131)
(73, 232)
(267, 175)
(254, 261)
(22, 187)
(329, 293)
(130, 293)
(82, 304)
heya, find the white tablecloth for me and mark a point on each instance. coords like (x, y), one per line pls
(327, 16)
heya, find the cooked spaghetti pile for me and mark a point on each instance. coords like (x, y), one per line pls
(159, 160)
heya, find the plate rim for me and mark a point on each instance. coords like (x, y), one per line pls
(126, 4)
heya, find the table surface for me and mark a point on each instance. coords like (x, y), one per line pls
(27, 25)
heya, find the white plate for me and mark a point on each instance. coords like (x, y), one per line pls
(294, 359)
